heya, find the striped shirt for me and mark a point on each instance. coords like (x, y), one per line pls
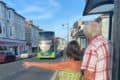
(97, 57)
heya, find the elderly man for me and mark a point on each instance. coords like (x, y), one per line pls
(96, 57)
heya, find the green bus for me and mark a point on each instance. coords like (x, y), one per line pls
(46, 45)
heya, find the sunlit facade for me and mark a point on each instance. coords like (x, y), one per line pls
(32, 35)
(12, 30)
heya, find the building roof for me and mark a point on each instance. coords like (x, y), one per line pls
(20, 15)
(98, 6)
(30, 22)
(2, 2)
(11, 9)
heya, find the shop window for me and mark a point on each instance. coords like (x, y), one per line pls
(3, 48)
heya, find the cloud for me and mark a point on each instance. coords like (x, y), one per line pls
(44, 10)
(41, 17)
(54, 3)
(10, 3)
(32, 9)
(36, 12)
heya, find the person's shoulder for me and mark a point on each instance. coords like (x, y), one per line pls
(98, 43)
(90, 47)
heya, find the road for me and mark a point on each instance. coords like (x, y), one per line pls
(15, 70)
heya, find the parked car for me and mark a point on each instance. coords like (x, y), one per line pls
(24, 54)
(7, 56)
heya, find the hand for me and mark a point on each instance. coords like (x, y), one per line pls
(88, 75)
(27, 64)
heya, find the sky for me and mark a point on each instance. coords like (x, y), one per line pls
(50, 15)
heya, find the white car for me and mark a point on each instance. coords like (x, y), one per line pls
(24, 55)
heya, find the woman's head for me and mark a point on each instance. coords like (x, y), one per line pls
(73, 50)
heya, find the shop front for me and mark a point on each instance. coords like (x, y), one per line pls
(15, 46)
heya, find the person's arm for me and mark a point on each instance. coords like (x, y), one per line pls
(51, 66)
(88, 65)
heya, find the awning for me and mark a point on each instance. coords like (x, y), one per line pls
(98, 6)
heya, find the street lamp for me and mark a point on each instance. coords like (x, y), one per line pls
(67, 25)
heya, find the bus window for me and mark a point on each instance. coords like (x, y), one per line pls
(46, 45)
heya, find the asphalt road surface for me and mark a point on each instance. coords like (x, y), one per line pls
(15, 70)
